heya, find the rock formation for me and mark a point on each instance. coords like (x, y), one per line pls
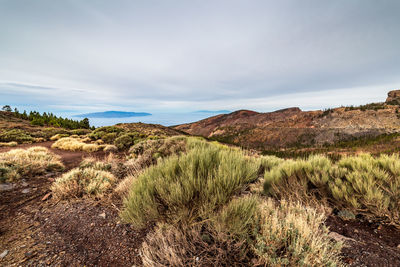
(393, 97)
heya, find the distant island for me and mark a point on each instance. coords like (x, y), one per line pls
(213, 111)
(113, 114)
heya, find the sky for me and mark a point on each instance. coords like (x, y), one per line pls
(180, 56)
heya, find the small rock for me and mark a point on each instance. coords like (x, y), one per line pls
(45, 197)
(398, 246)
(26, 191)
(3, 254)
(355, 231)
(103, 215)
(24, 184)
(340, 238)
(28, 254)
(6, 186)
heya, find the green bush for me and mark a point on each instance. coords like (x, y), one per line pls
(15, 135)
(109, 138)
(99, 133)
(362, 183)
(190, 187)
(125, 141)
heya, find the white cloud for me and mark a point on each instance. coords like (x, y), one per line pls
(180, 55)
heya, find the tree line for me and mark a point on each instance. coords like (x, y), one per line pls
(48, 119)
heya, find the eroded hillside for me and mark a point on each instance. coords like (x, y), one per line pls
(293, 127)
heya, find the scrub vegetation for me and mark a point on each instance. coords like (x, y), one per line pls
(196, 201)
(205, 203)
(27, 163)
(363, 183)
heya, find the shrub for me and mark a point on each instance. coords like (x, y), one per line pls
(72, 144)
(189, 187)
(58, 136)
(29, 162)
(196, 246)
(82, 181)
(99, 133)
(124, 141)
(361, 184)
(239, 217)
(93, 163)
(292, 235)
(147, 152)
(247, 231)
(15, 135)
(109, 138)
(110, 149)
(10, 144)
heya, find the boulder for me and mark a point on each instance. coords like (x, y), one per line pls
(393, 97)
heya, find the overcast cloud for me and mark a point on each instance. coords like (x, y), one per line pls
(83, 55)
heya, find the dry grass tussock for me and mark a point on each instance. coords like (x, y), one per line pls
(247, 231)
(27, 163)
(8, 144)
(294, 235)
(364, 184)
(196, 246)
(83, 182)
(110, 149)
(58, 136)
(75, 144)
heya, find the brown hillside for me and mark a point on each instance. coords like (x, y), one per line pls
(293, 127)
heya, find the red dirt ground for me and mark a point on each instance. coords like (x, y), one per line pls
(40, 232)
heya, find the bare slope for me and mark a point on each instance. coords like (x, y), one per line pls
(293, 127)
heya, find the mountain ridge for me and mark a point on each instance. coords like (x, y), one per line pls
(293, 127)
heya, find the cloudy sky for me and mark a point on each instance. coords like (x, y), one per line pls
(155, 56)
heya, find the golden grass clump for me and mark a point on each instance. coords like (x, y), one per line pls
(8, 144)
(189, 187)
(28, 162)
(83, 182)
(294, 235)
(364, 184)
(73, 144)
(110, 149)
(58, 136)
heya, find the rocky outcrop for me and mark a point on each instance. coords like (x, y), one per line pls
(393, 97)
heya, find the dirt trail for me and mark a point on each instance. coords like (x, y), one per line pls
(41, 232)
